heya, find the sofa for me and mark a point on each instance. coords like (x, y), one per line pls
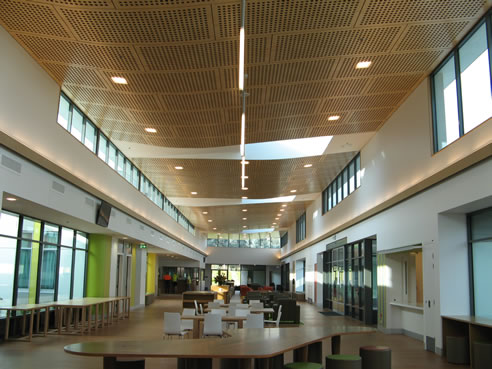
(291, 312)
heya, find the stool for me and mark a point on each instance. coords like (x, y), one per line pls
(301, 365)
(343, 362)
(482, 355)
(457, 350)
(375, 357)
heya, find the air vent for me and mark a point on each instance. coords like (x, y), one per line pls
(11, 164)
(58, 187)
(89, 202)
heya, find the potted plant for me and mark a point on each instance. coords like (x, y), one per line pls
(220, 279)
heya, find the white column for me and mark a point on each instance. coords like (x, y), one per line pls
(140, 277)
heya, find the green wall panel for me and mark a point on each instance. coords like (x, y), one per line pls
(98, 265)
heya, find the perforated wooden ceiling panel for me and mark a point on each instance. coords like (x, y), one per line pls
(180, 58)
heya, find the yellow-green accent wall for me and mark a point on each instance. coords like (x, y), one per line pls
(151, 265)
(98, 265)
(33, 272)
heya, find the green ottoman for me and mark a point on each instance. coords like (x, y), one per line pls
(300, 365)
(375, 357)
(482, 355)
(343, 362)
(457, 350)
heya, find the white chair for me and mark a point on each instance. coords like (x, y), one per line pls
(187, 324)
(277, 321)
(254, 321)
(172, 325)
(242, 306)
(257, 305)
(221, 312)
(253, 301)
(213, 305)
(237, 313)
(212, 325)
(196, 308)
(201, 309)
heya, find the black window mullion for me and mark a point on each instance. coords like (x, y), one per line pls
(57, 268)
(458, 91)
(73, 263)
(17, 260)
(40, 261)
(488, 26)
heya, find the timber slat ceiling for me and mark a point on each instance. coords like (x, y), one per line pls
(180, 58)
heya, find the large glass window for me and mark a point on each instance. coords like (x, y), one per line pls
(49, 247)
(301, 228)
(480, 241)
(300, 274)
(77, 124)
(462, 97)
(475, 80)
(90, 136)
(446, 105)
(102, 148)
(80, 126)
(64, 112)
(343, 185)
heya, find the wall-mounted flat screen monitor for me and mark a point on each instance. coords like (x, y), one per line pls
(103, 214)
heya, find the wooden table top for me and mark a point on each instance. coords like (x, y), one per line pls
(27, 306)
(87, 301)
(254, 311)
(205, 293)
(242, 344)
(225, 318)
(476, 320)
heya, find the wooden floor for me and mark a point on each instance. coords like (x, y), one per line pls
(146, 324)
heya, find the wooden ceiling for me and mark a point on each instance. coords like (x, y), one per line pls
(180, 58)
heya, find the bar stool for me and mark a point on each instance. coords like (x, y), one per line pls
(457, 350)
(482, 355)
(301, 365)
(343, 362)
(375, 357)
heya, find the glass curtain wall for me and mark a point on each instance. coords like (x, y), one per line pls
(480, 244)
(44, 261)
(265, 240)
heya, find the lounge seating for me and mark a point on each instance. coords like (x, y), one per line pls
(291, 312)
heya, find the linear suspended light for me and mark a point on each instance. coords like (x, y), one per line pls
(243, 135)
(243, 174)
(241, 58)
(242, 41)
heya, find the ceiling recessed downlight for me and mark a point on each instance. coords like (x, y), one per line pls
(277, 218)
(178, 167)
(274, 223)
(293, 191)
(244, 188)
(204, 212)
(244, 197)
(245, 210)
(245, 218)
(194, 193)
(334, 117)
(150, 130)
(308, 165)
(245, 226)
(279, 215)
(282, 209)
(210, 220)
(363, 64)
(214, 228)
(119, 80)
(284, 205)
(10, 199)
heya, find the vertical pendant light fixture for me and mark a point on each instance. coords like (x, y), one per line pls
(242, 46)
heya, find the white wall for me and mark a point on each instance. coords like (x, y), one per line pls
(28, 111)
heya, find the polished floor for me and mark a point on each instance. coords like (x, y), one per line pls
(146, 324)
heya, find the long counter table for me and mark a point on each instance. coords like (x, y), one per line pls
(33, 310)
(475, 328)
(267, 346)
